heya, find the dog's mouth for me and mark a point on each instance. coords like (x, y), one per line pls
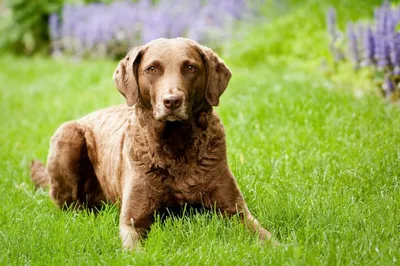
(172, 118)
(165, 115)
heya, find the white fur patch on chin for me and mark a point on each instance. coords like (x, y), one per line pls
(176, 115)
(171, 118)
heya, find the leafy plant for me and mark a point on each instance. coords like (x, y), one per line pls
(374, 44)
(24, 24)
(26, 31)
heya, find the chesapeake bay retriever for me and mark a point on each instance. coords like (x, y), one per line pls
(166, 147)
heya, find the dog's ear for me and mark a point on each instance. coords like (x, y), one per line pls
(125, 75)
(218, 75)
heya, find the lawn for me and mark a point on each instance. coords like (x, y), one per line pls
(318, 164)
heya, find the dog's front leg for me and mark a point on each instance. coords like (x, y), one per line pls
(227, 197)
(137, 209)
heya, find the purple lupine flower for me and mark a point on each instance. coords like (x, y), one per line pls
(197, 30)
(382, 54)
(381, 45)
(377, 13)
(386, 21)
(95, 28)
(395, 53)
(68, 18)
(369, 46)
(382, 48)
(154, 26)
(388, 85)
(144, 4)
(55, 34)
(239, 8)
(396, 14)
(353, 44)
(210, 13)
(331, 21)
(391, 22)
(54, 27)
(360, 31)
(379, 19)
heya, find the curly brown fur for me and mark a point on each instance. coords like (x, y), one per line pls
(39, 175)
(165, 149)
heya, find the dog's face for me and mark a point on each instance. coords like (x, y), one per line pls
(172, 77)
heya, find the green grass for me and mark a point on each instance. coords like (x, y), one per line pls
(318, 165)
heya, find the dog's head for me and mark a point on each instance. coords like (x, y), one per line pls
(172, 78)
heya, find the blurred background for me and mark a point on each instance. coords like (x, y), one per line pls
(105, 28)
(364, 33)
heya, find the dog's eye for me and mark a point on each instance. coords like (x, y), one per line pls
(191, 68)
(151, 69)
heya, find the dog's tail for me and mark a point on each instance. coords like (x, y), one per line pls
(39, 174)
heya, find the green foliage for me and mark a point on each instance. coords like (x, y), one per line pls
(296, 33)
(25, 30)
(24, 24)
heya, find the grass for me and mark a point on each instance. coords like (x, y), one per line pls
(318, 165)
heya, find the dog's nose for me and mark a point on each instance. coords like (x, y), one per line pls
(173, 101)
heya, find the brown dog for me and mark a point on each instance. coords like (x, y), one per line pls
(166, 148)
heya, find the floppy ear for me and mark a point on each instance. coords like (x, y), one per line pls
(218, 74)
(125, 75)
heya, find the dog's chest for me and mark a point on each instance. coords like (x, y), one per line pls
(181, 183)
(180, 175)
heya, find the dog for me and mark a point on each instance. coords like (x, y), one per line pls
(164, 148)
